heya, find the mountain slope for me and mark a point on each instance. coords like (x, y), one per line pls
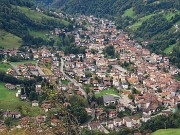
(8, 40)
(155, 21)
(20, 19)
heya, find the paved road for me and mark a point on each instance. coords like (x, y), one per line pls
(120, 68)
(15, 68)
(39, 69)
(72, 80)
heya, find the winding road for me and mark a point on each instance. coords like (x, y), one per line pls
(15, 68)
(72, 80)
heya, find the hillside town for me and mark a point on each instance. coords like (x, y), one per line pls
(124, 83)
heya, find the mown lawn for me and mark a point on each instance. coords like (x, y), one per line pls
(9, 101)
(41, 34)
(38, 16)
(169, 15)
(9, 41)
(4, 66)
(107, 92)
(167, 132)
(169, 49)
(141, 20)
(32, 14)
(129, 13)
(24, 62)
(65, 82)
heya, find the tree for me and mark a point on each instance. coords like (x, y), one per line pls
(134, 91)
(76, 100)
(109, 51)
(8, 121)
(99, 100)
(178, 106)
(130, 96)
(80, 113)
(33, 96)
(77, 108)
(2, 74)
(87, 89)
(159, 90)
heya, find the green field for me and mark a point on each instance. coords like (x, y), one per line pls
(167, 132)
(141, 20)
(129, 13)
(24, 62)
(107, 92)
(65, 82)
(32, 14)
(9, 101)
(38, 16)
(41, 34)
(169, 49)
(9, 41)
(4, 66)
(169, 15)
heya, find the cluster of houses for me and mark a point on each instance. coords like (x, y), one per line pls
(14, 52)
(150, 75)
(23, 70)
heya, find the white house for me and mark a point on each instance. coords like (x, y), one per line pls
(145, 117)
(94, 126)
(35, 103)
(117, 122)
(127, 122)
(125, 85)
(136, 120)
(18, 93)
(110, 124)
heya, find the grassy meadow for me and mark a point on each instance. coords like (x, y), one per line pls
(167, 132)
(4, 66)
(107, 92)
(24, 62)
(9, 101)
(9, 41)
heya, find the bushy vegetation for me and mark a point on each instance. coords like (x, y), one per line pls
(9, 101)
(162, 122)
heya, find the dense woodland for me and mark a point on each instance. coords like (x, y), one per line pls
(158, 28)
(111, 7)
